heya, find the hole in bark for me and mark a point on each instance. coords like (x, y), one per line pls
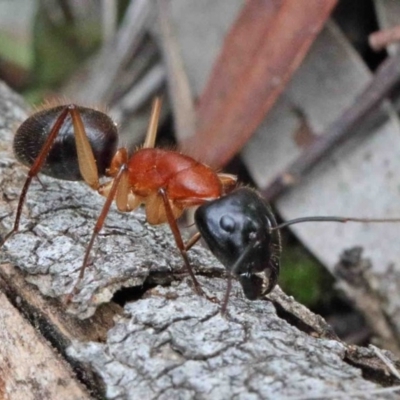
(129, 294)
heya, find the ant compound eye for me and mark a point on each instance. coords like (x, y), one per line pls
(227, 223)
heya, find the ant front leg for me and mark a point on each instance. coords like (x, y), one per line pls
(192, 241)
(230, 273)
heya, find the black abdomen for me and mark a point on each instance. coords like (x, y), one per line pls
(62, 161)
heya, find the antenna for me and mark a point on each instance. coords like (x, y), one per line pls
(333, 219)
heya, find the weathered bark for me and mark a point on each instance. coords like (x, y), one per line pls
(160, 341)
(24, 350)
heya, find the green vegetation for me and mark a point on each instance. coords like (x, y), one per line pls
(303, 277)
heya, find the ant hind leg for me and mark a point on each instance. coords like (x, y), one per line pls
(35, 169)
(151, 134)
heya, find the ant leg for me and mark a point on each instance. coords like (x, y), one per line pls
(121, 198)
(151, 134)
(224, 306)
(97, 228)
(35, 169)
(234, 272)
(228, 182)
(87, 162)
(179, 242)
(192, 241)
(41, 183)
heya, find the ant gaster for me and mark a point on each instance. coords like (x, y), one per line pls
(73, 143)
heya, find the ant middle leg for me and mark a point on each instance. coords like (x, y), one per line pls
(113, 192)
(188, 245)
(179, 241)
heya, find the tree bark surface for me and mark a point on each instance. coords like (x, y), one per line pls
(136, 329)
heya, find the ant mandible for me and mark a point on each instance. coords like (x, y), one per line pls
(73, 143)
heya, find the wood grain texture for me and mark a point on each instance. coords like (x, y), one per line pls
(29, 368)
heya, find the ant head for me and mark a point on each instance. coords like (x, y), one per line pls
(237, 229)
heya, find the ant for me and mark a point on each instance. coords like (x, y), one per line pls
(71, 142)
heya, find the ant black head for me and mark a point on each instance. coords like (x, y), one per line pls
(237, 229)
(242, 233)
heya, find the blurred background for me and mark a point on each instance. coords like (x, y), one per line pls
(298, 98)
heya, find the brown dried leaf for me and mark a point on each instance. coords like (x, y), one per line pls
(263, 49)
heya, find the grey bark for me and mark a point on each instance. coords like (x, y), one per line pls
(166, 342)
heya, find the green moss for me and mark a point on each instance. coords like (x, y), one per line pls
(305, 278)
